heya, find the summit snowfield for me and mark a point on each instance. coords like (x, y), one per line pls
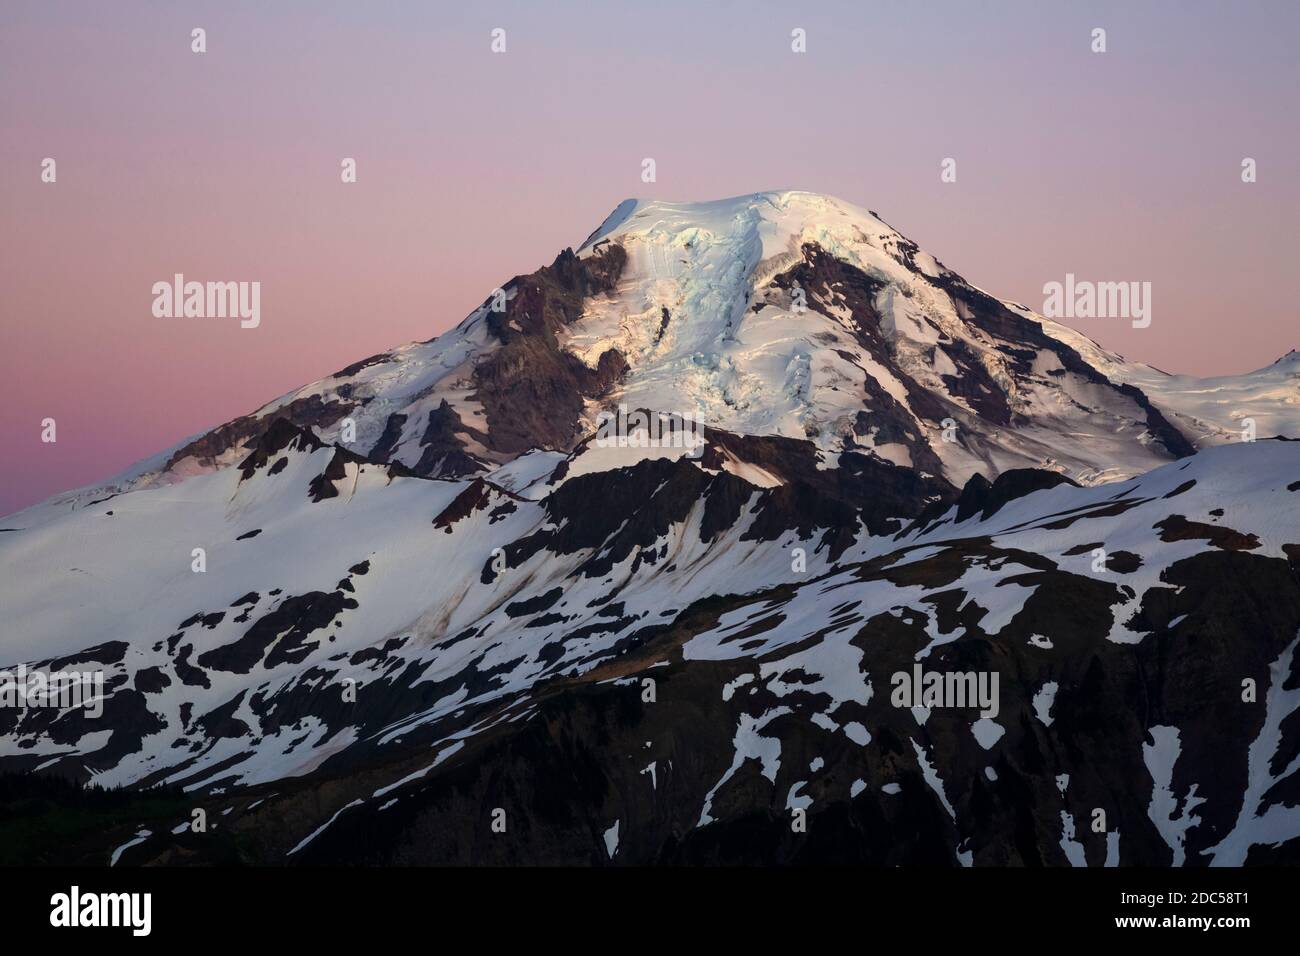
(427, 588)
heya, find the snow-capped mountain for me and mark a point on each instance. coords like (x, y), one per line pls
(428, 591)
(783, 313)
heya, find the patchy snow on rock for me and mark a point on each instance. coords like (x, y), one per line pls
(1044, 697)
(1160, 756)
(139, 838)
(987, 732)
(611, 839)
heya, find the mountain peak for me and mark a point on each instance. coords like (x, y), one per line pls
(447, 532)
(784, 313)
(769, 216)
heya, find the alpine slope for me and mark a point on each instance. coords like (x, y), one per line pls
(439, 618)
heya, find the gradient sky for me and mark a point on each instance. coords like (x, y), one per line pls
(474, 167)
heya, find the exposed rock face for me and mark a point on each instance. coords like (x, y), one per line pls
(529, 390)
(444, 451)
(1017, 342)
(985, 498)
(209, 449)
(532, 389)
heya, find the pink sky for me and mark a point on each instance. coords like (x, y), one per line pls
(474, 167)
